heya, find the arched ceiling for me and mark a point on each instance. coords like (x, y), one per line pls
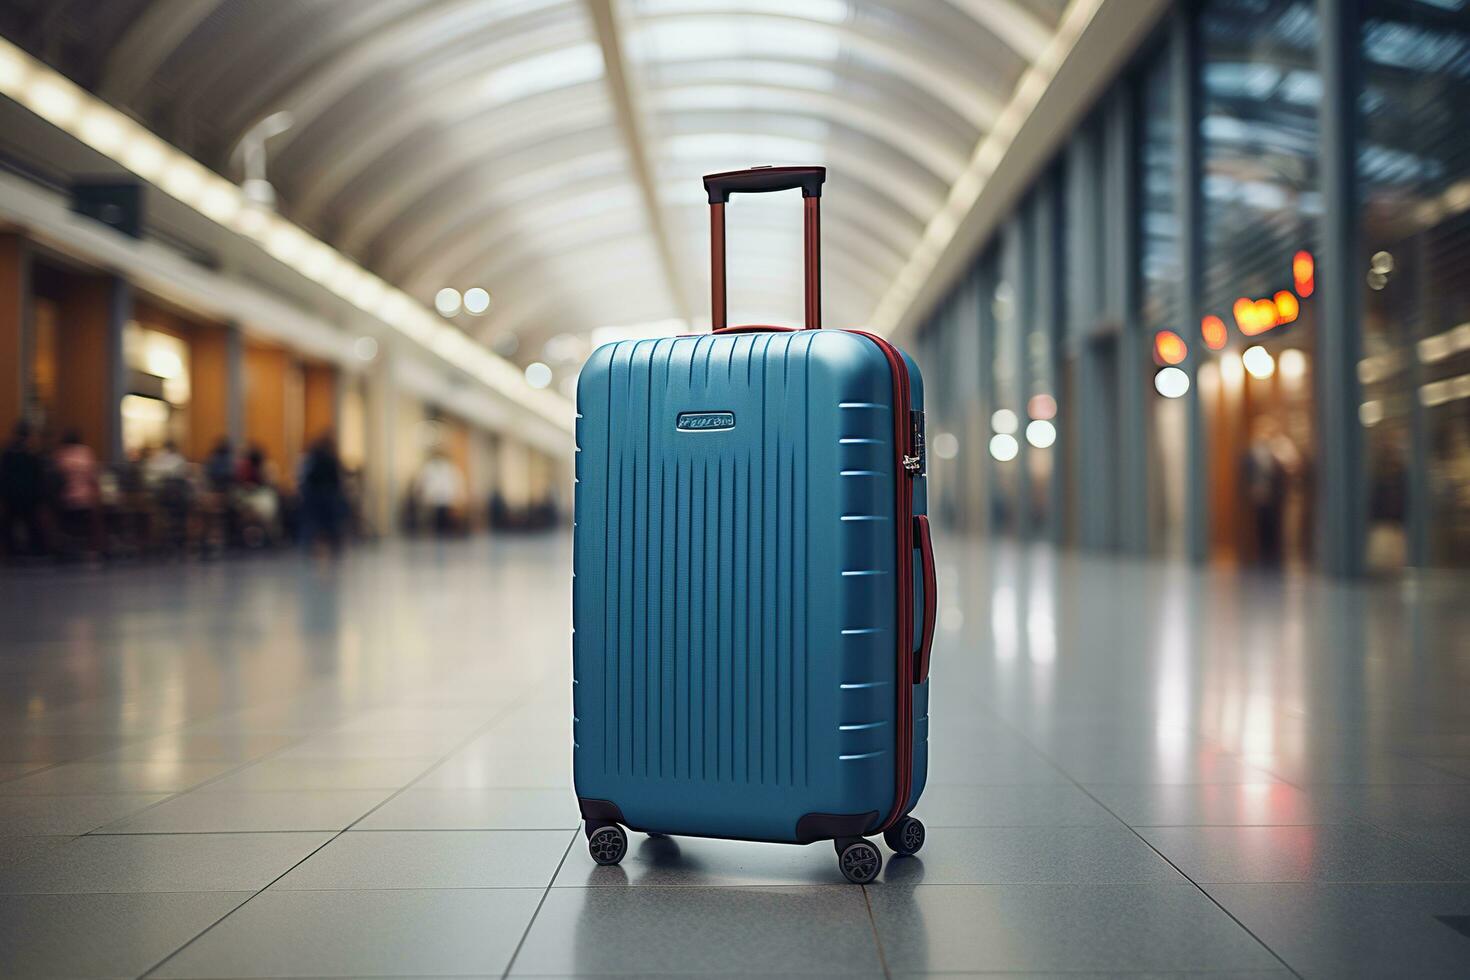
(551, 150)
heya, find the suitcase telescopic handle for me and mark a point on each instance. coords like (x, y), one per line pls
(760, 180)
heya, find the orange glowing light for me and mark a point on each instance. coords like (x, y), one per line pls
(1212, 329)
(1256, 316)
(1245, 313)
(1169, 347)
(1303, 273)
(1287, 306)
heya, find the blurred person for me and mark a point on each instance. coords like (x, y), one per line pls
(219, 466)
(256, 499)
(354, 517)
(253, 468)
(1267, 471)
(134, 517)
(1388, 498)
(216, 510)
(499, 513)
(78, 494)
(322, 500)
(164, 465)
(22, 492)
(441, 490)
(166, 475)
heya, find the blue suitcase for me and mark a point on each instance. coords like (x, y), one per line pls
(753, 595)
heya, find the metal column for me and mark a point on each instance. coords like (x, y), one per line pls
(1133, 382)
(1341, 500)
(1184, 56)
(235, 385)
(119, 315)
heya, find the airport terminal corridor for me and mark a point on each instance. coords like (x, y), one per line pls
(1022, 446)
(290, 766)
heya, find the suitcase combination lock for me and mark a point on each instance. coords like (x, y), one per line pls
(914, 464)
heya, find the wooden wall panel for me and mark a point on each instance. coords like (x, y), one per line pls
(207, 416)
(266, 370)
(84, 389)
(154, 317)
(209, 386)
(319, 402)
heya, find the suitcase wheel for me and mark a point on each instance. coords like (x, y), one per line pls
(608, 844)
(859, 859)
(905, 837)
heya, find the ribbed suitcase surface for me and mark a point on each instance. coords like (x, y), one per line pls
(735, 599)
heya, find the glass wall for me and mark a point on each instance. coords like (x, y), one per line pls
(1039, 303)
(1414, 183)
(1262, 204)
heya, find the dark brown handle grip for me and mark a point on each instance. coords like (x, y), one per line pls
(925, 544)
(760, 180)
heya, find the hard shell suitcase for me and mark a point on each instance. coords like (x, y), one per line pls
(754, 593)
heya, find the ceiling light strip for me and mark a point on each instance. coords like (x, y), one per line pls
(988, 153)
(117, 136)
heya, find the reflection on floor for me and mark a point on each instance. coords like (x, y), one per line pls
(276, 768)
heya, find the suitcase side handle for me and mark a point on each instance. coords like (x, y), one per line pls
(925, 545)
(760, 180)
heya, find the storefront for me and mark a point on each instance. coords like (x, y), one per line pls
(1232, 320)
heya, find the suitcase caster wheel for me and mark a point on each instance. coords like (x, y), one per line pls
(607, 845)
(905, 837)
(859, 860)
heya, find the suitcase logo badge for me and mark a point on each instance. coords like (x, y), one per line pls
(705, 421)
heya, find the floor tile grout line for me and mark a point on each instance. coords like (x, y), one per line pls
(877, 939)
(184, 792)
(530, 924)
(459, 745)
(201, 933)
(1180, 871)
(488, 726)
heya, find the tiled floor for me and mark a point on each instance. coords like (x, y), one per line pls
(278, 768)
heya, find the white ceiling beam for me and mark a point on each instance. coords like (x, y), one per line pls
(622, 88)
(1018, 28)
(941, 75)
(148, 41)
